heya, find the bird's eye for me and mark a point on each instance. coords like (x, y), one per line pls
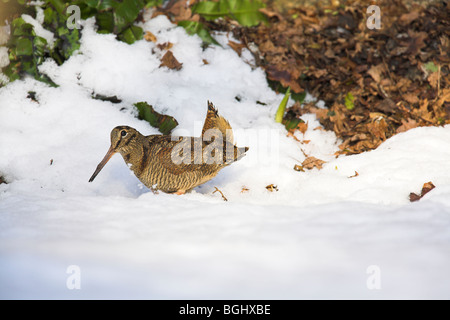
(123, 133)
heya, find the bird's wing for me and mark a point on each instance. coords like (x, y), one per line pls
(180, 154)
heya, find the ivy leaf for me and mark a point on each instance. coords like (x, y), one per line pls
(100, 4)
(20, 28)
(125, 13)
(193, 27)
(131, 34)
(164, 123)
(24, 47)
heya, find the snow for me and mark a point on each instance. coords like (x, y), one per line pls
(319, 236)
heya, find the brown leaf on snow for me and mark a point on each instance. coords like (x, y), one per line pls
(169, 61)
(355, 175)
(244, 189)
(312, 162)
(302, 127)
(164, 46)
(427, 187)
(148, 36)
(272, 187)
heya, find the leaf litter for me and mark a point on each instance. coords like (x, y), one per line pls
(376, 83)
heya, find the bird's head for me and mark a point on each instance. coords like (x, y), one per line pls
(123, 138)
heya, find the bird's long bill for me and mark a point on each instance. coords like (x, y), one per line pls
(100, 166)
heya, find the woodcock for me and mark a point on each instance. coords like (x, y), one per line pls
(176, 164)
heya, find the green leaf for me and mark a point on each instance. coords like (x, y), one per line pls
(209, 10)
(59, 5)
(299, 97)
(67, 42)
(153, 3)
(21, 28)
(282, 107)
(131, 34)
(349, 99)
(24, 47)
(193, 27)
(246, 12)
(430, 66)
(105, 22)
(164, 123)
(49, 15)
(12, 71)
(100, 4)
(125, 13)
(292, 123)
(39, 49)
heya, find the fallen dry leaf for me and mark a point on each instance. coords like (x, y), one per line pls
(179, 10)
(302, 127)
(169, 61)
(355, 175)
(272, 187)
(312, 162)
(411, 98)
(285, 77)
(427, 187)
(148, 36)
(164, 46)
(406, 125)
(245, 189)
(375, 72)
(409, 17)
(271, 13)
(433, 79)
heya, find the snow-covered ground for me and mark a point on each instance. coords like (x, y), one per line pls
(321, 235)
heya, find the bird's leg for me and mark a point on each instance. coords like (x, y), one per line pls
(180, 192)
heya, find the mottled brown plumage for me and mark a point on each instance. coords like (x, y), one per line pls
(176, 164)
